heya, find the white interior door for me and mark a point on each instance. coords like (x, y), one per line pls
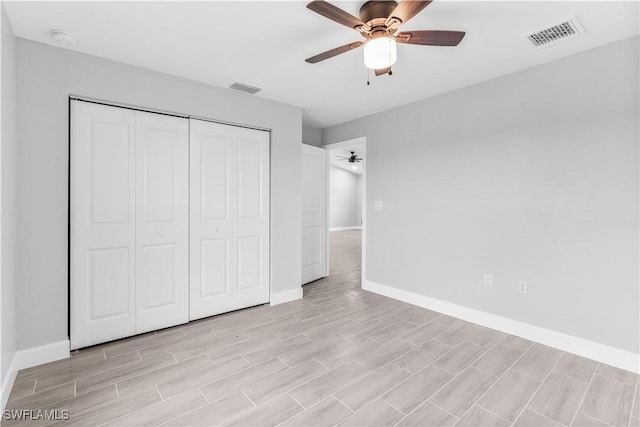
(314, 213)
(229, 218)
(102, 240)
(162, 221)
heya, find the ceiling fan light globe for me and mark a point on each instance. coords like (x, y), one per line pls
(380, 53)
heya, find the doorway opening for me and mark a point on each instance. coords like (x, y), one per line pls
(346, 211)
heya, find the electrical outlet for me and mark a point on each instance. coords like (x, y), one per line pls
(523, 287)
(487, 280)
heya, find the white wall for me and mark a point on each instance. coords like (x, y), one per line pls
(344, 198)
(311, 136)
(531, 176)
(46, 77)
(8, 204)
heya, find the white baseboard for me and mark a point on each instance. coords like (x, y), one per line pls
(43, 354)
(7, 385)
(353, 227)
(30, 357)
(286, 296)
(600, 352)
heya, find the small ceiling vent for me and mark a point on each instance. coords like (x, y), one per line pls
(564, 29)
(245, 88)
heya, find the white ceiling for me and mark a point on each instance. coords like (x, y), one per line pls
(264, 43)
(346, 152)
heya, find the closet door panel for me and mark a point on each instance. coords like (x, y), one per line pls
(229, 218)
(162, 285)
(108, 283)
(213, 160)
(212, 202)
(252, 219)
(249, 267)
(102, 231)
(214, 274)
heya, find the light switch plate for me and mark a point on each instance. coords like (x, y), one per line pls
(378, 205)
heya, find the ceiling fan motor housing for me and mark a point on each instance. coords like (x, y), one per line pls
(375, 13)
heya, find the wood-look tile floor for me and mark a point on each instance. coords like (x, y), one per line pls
(340, 356)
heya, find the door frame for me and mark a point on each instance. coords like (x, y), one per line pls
(344, 144)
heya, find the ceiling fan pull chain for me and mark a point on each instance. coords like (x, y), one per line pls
(368, 77)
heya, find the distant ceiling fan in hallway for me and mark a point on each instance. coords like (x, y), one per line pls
(352, 159)
(378, 23)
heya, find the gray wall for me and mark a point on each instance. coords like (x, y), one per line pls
(46, 77)
(8, 189)
(311, 136)
(343, 198)
(532, 176)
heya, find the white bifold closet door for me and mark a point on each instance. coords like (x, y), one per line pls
(129, 222)
(229, 218)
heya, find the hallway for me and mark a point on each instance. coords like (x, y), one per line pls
(344, 266)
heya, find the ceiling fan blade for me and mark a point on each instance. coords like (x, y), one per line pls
(431, 37)
(406, 10)
(381, 71)
(333, 52)
(335, 13)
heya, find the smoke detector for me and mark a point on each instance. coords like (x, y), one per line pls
(62, 37)
(561, 30)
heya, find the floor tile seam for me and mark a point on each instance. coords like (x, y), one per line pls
(399, 384)
(390, 404)
(159, 370)
(219, 378)
(613, 379)
(250, 400)
(428, 399)
(288, 390)
(103, 404)
(546, 416)
(526, 406)
(595, 418)
(367, 374)
(207, 403)
(353, 381)
(468, 365)
(492, 413)
(242, 412)
(442, 409)
(531, 343)
(341, 402)
(634, 403)
(499, 378)
(284, 423)
(288, 393)
(575, 378)
(491, 347)
(75, 379)
(50, 403)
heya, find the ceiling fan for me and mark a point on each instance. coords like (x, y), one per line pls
(378, 22)
(352, 159)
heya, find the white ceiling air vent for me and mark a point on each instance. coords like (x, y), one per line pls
(561, 30)
(245, 88)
